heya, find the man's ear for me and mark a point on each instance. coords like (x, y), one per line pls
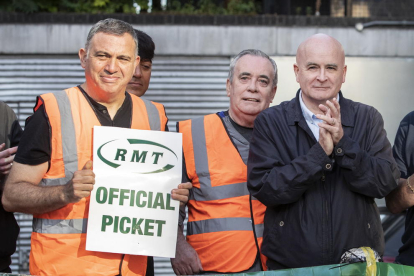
(296, 70)
(137, 61)
(274, 89)
(228, 87)
(343, 77)
(83, 55)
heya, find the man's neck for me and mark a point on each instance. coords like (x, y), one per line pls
(313, 105)
(243, 120)
(112, 104)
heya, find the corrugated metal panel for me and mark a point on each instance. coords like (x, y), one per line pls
(188, 87)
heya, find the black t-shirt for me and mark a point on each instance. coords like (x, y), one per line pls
(246, 132)
(35, 146)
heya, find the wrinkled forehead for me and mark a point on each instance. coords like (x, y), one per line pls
(254, 64)
(315, 49)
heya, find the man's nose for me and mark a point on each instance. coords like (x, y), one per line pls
(322, 75)
(253, 85)
(137, 72)
(112, 65)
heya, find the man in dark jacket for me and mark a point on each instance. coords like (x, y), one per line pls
(10, 132)
(317, 163)
(402, 198)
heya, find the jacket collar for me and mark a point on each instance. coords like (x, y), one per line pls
(295, 112)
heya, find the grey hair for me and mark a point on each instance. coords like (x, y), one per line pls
(252, 52)
(114, 27)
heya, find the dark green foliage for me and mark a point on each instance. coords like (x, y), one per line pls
(209, 7)
(77, 6)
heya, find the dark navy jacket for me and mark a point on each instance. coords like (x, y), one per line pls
(319, 206)
(404, 156)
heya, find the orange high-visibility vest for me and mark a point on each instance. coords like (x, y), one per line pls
(220, 224)
(59, 238)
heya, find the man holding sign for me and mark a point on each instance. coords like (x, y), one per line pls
(220, 231)
(52, 175)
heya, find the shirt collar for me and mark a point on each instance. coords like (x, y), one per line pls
(307, 114)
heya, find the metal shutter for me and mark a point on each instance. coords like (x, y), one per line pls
(188, 87)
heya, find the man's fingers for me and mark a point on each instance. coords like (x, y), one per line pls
(6, 161)
(176, 271)
(180, 192)
(88, 165)
(12, 150)
(83, 187)
(186, 185)
(200, 266)
(334, 107)
(84, 179)
(2, 146)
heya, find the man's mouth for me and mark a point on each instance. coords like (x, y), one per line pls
(251, 100)
(109, 78)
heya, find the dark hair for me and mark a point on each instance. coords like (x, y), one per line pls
(111, 26)
(146, 46)
(256, 53)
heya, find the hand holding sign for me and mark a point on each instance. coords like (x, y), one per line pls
(81, 184)
(182, 192)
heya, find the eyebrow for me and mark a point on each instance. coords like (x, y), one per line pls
(101, 52)
(264, 76)
(316, 64)
(124, 56)
(244, 74)
(249, 74)
(311, 63)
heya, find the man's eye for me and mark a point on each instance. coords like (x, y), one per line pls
(263, 82)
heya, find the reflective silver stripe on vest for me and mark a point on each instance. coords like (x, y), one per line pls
(153, 115)
(60, 226)
(200, 152)
(70, 161)
(259, 230)
(69, 147)
(219, 225)
(219, 192)
(206, 192)
(241, 143)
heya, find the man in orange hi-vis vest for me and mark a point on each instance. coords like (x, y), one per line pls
(225, 225)
(52, 175)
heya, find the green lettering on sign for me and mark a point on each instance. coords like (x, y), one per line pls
(106, 221)
(112, 194)
(120, 153)
(160, 223)
(101, 195)
(137, 157)
(169, 207)
(136, 226)
(158, 201)
(148, 227)
(122, 228)
(157, 155)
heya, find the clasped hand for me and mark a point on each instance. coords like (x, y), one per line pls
(330, 130)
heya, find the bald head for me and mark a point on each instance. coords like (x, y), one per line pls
(323, 43)
(320, 69)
